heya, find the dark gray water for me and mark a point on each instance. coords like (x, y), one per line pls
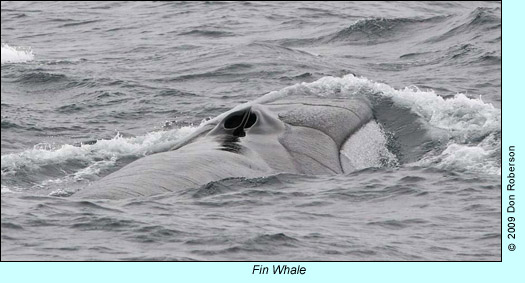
(89, 87)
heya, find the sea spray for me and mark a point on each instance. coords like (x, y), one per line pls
(16, 54)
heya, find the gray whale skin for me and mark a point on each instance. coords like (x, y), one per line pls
(256, 139)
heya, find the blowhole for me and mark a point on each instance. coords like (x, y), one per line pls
(233, 121)
(251, 120)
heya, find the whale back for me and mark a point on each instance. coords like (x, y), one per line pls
(252, 140)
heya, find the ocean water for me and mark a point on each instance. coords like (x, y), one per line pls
(88, 87)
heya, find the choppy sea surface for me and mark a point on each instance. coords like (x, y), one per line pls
(88, 87)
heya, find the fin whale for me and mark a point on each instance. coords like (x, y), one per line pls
(255, 139)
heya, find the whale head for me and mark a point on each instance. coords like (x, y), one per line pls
(289, 135)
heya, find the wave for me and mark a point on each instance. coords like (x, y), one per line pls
(379, 29)
(6, 124)
(74, 24)
(41, 77)
(87, 159)
(208, 33)
(5, 190)
(485, 16)
(482, 157)
(16, 54)
(460, 115)
(223, 71)
(478, 23)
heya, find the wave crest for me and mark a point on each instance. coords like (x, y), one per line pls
(16, 54)
(84, 161)
(379, 28)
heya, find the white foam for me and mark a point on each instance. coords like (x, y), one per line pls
(5, 190)
(103, 154)
(16, 54)
(367, 148)
(481, 157)
(460, 114)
